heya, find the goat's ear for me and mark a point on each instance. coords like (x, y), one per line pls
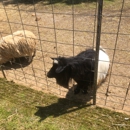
(60, 69)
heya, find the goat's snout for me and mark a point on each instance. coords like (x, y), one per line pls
(49, 75)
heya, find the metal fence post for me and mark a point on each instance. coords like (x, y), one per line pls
(99, 21)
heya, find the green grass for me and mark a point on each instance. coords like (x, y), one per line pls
(22, 108)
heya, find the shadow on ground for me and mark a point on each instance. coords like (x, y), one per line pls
(64, 105)
(48, 105)
(19, 63)
(47, 2)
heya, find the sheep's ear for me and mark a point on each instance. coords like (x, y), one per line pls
(60, 69)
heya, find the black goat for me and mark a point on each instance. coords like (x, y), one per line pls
(80, 68)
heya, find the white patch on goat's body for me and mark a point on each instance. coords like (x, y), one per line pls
(55, 61)
(103, 66)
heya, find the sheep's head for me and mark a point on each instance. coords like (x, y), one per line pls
(60, 71)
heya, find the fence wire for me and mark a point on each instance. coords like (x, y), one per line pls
(66, 30)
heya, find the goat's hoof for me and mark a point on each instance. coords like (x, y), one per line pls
(76, 91)
(84, 91)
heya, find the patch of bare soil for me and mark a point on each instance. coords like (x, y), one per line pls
(66, 33)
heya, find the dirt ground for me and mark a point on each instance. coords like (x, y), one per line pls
(66, 31)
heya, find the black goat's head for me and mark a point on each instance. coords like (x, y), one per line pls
(60, 71)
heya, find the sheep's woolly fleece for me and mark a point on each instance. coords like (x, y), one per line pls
(21, 43)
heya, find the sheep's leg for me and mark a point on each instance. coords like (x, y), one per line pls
(30, 59)
(12, 61)
(31, 56)
(34, 53)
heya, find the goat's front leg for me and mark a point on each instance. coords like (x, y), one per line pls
(84, 88)
(77, 89)
(84, 91)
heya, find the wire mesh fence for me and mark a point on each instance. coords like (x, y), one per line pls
(65, 29)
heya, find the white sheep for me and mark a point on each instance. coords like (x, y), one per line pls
(21, 43)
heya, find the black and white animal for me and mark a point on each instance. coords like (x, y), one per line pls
(81, 69)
